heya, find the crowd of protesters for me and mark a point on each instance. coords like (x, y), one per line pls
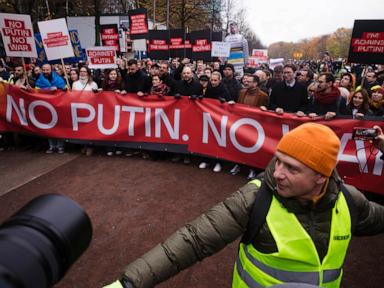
(317, 89)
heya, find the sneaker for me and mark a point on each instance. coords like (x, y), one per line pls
(187, 160)
(49, 151)
(145, 156)
(118, 152)
(109, 153)
(235, 170)
(176, 158)
(251, 174)
(88, 151)
(60, 150)
(203, 165)
(217, 167)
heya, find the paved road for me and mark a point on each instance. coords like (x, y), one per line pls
(134, 203)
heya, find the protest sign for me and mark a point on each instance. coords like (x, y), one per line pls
(138, 23)
(79, 55)
(17, 33)
(101, 57)
(261, 55)
(367, 42)
(158, 47)
(177, 43)
(56, 40)
(109, 35)
(201, 45)
(220, 49)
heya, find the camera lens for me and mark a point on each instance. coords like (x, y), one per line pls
(42, 240)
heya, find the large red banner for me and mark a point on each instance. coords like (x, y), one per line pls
(237, 133)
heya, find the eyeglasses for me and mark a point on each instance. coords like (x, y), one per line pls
(311, 91)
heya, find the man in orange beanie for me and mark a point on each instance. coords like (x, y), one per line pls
(296, 221)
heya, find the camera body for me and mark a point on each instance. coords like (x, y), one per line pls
(365, 134)
(41, 241)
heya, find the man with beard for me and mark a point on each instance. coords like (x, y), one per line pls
(135, 79)
(19, 78)
(326, 98)
(253, 96)
(167, 78)
(289, 95)
(49, 79)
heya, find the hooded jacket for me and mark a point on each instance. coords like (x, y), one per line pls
(227, 221)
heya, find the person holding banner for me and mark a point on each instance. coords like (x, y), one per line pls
(112, 81)
(134, 78)
(296, 221)
(85, 82)
(49, 79)
(289, 95)
(19, 78)
(253, 96)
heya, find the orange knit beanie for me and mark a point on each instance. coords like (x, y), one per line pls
(314, 145)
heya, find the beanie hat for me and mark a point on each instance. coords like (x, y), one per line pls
(230, 66)
(314, 145)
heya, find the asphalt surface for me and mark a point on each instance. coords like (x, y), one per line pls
(135, 203)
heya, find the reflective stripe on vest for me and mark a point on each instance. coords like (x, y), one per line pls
(297, 259)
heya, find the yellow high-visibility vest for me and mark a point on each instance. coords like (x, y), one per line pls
(297, 259)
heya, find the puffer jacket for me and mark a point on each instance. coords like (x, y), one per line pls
(227, 221)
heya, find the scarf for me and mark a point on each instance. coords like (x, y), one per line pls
(376, 103)
(327, 98)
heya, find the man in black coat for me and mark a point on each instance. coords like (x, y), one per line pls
(167, 78)
(188, 85)
(289, 95)
(233, 86)
(135, 79)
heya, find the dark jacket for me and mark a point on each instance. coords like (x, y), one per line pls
(321, 107)
(233, 86)
(228, 220)
(187, 89)
(220, 92)
(170, 82)
(135, 82)
(291, 99)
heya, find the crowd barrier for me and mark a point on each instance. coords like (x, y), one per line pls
(236, 133)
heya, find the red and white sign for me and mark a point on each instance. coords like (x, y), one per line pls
(176, 43)
(55, 37)
(371, 42)
(201, 45)
(236, 133)
(138, 24)
(260, 55)
(158, 44)
(101, 57)
(110, 36)
(17, 33)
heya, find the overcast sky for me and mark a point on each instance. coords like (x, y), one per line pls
(292, 20)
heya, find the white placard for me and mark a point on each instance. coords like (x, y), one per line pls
(220, 49)
(56, 40)
(139, 45)
(17, 32)
(103, 57)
